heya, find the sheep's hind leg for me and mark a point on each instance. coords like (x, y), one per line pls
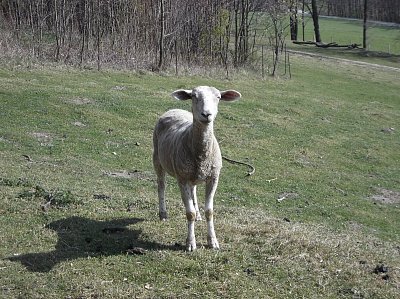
(187, 192)
(162, 212)
(211, 187)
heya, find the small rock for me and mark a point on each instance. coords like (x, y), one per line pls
(249, 271)
(385, 277)
(101, 197)
(381, 268)
(387, 130)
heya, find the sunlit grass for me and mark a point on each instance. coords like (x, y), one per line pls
(321, 143)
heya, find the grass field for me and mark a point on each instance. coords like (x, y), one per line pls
(326, 144)
(383, 42)
(379, 37)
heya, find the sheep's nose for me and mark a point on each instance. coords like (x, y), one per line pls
(206, 114)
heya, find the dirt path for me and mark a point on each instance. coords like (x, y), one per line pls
(349, 61)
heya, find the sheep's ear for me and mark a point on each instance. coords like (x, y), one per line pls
(230, 95)
(182, 94)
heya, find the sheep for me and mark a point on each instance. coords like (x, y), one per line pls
(185, 147)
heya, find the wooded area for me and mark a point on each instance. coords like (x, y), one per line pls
(155, 34)
(139, 34)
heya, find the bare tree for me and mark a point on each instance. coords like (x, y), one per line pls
(365, 24)
(314, 14)
(277, 12)
(162, 35)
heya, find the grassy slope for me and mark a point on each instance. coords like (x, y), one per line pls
(317, 136)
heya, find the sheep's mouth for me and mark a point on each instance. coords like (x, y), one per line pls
(206, 120)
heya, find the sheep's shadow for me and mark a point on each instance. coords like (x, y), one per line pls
(82, 237)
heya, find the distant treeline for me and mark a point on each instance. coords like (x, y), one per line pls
(135, 32)
(378, 10)
(154, 34)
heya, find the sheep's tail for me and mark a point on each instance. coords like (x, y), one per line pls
(251, 170)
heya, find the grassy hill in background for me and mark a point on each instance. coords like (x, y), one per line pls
(383, 40)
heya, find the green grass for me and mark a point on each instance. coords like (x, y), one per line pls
(379, 38)
(383, 42)
(317, 137)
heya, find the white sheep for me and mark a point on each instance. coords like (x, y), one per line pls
(185, 147)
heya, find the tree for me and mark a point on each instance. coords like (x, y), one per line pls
(294, 24)
(314, 14)
(365, 24)
(278, 12)
(162, 35)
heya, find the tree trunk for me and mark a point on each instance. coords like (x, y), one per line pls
(56, 31)
(302, 19)
(293, 22)
(162, 33)
(314, 13)
(98, 35)
(365, 24)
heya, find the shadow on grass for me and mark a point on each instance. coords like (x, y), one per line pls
(80, 237)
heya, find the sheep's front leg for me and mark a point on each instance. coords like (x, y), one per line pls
(187, 192)
(211, 188)
(196, 205)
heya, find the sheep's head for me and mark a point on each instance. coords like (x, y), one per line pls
(205, 101)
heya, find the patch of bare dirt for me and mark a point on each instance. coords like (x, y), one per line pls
(386, 196)
(125, 174)
(119, 88)
(80, 101)
(45, 139)
(287, 195)
(79, 124)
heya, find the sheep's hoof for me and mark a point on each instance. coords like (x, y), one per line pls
(163, 216)
(191, 245)
(212, 243)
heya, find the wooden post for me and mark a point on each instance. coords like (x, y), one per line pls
(262, 61)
